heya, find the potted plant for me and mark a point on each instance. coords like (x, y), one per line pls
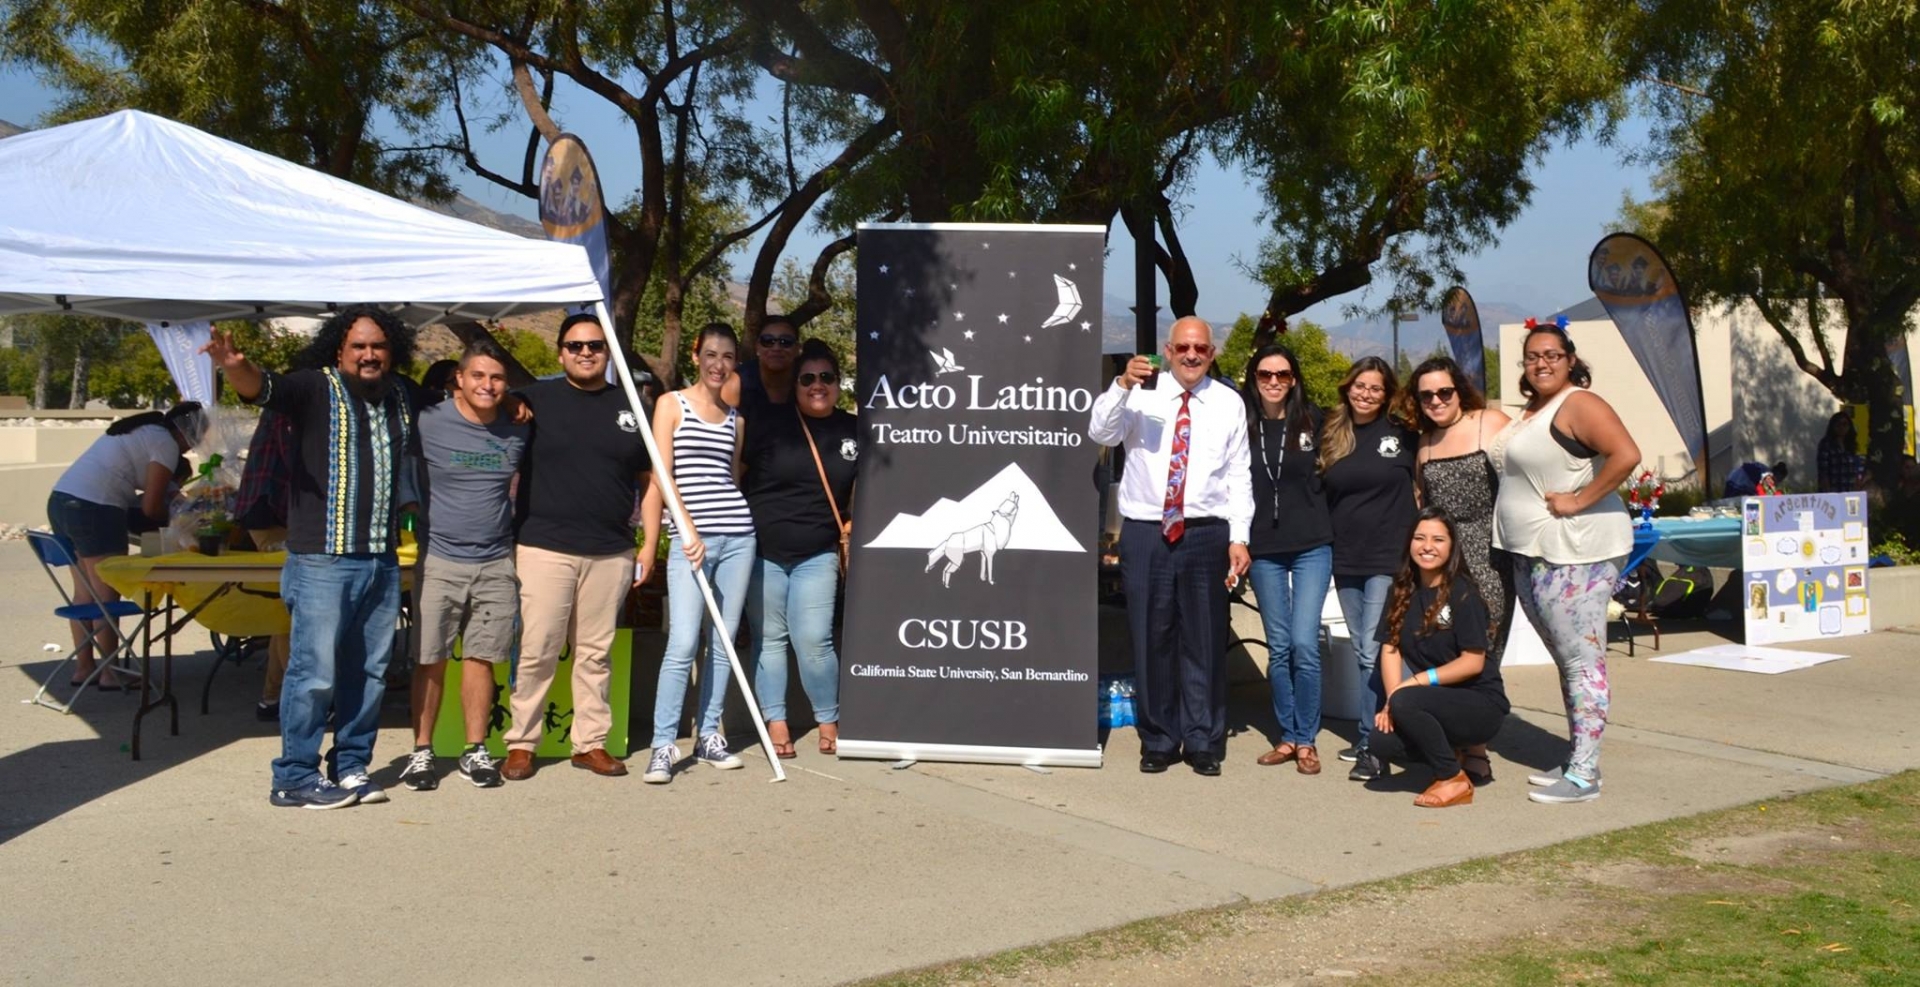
(212, 532)
(1643, 495)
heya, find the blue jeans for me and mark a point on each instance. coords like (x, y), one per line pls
(344, 610)
(1363, 601)
(1291, 587)
(729, 567)
(794, 603)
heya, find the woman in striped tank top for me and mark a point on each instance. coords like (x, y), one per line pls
(699, 438)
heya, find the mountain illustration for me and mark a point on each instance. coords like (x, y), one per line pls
(1035, 529)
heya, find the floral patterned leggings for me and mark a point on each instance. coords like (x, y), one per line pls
(1568, 603)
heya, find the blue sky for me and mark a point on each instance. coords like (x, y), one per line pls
(1539, 263)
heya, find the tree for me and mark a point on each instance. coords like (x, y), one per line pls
(794, 289)
(1789, 150)
(1321, 368)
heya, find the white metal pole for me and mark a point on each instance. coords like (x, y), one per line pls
(679, 512)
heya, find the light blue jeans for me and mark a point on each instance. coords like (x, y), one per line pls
(1291, 587)
(344, 609)
(729, 567)
(794, 604)
(1363, 601)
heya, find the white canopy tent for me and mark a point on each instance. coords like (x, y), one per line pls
(133, 216)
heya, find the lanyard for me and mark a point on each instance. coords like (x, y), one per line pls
(1272, 465)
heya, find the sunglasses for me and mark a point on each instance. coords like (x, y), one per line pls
(778, 342)
(1271, 376)
(1442, 395)
(579, 346)
(826, 377)
(1197, 349)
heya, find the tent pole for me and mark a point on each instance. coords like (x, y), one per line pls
(672, 496)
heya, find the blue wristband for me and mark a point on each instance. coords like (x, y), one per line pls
(1433, 676)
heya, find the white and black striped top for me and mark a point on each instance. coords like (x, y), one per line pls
(703, 471)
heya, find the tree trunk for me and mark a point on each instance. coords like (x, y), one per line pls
(1872, 378)
(82, 369)
(43, 376)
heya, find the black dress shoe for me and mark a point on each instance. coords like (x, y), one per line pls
(1204, 763)
(1154, 762)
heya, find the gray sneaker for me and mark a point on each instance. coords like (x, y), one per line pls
(1570, 788)
(364, 787)
(1544, 779)
(712, 750)
(660, 765)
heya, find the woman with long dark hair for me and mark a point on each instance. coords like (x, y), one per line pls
(1366, 462)
(1561, 519)
(1292, 546)
(134, 464)
(1443, 689)
(1455, 474)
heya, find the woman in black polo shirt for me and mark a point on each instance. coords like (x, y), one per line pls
(794, 455)
(1366, 462)
(1292, 546)
(1443, 692)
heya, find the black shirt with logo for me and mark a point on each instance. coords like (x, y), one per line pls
(1370, 497)
(578, 479)
(1462, 626)
(791, 517)
(1291, 515)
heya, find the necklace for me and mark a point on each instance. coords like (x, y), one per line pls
(1272, 464)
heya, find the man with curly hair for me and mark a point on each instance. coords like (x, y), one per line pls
(352, 420)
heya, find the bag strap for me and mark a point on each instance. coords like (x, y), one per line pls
(818, 465)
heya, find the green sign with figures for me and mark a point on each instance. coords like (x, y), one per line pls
(449, 731)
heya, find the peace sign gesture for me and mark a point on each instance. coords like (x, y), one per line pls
(240, 372)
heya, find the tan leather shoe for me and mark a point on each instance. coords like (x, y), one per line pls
(600, 762)
(519, 766)
(1279, 755)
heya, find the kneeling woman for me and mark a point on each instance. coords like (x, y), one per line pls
(1443, 693)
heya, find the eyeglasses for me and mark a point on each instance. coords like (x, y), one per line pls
(1442, 395)
(1549, 358)
(579, 346)
(1271, 376)
(1197, 349)
(1373, 389)
(827, 377)
(778, 342)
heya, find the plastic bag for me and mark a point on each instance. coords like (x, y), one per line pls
(204, 503)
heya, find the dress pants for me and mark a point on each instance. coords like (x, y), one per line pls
(1177, 612)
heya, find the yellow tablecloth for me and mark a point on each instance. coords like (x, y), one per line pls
(250, 610)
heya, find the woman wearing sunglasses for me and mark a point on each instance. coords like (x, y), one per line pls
(1292, 546)
(765, 380)
(1456, 475)
(1563, 524)
(1366, 462)
(800, 471)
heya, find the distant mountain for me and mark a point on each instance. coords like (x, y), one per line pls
(1117, 325)
(461, 207)
(8, 129)
(1373, 335)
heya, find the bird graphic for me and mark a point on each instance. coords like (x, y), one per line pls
(1069, 303)
(944, 362)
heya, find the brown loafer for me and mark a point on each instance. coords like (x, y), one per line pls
(1279, 755)
(600, 762)
(1308, 761)
(519, 766)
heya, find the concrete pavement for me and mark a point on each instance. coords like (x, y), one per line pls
(176, 870)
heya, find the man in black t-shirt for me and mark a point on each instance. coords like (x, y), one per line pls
(575, 555)
(766, 381)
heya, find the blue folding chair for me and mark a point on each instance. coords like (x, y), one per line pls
(56, 552)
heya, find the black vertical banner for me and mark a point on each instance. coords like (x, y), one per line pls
(970, 619)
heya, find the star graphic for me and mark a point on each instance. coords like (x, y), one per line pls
(968, 334)
(1029, 339)
(883, 269)
(984, 245)
(1003, 318)
(1085, 326)
(1073, 267)
(959, 316)
(952, 287)
(874, 335)
(1009, 274)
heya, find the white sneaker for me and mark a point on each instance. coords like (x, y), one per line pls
(369, 793)
(712, 749)
(660, 765)
(1544, 779)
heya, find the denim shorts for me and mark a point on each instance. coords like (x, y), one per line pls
(94, 529)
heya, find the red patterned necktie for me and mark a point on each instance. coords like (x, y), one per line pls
(1173, 517)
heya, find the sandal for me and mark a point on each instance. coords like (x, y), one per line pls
(1432, 799)
(1279, 755)
(781, 739)
(829, 743)
(1308, 761)
(1476, 764)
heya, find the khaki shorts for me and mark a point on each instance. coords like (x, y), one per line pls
(475, 603)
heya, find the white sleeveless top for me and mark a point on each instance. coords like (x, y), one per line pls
(1533, 464)
(703, 472)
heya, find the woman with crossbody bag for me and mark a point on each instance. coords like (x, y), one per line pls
(799, 486)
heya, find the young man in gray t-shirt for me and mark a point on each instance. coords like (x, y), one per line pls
(466, 588)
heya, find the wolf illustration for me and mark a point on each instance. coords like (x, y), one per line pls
(985, 538)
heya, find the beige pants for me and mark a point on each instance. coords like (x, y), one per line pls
(566, 598)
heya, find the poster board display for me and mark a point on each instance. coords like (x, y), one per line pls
(1804, 566)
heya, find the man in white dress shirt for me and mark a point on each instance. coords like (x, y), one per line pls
(1186, 497)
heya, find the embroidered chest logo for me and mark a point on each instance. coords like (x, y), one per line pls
(1306, 442)
(1390, 446)
(1446, 616)
(627, 422)
(849, 450)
